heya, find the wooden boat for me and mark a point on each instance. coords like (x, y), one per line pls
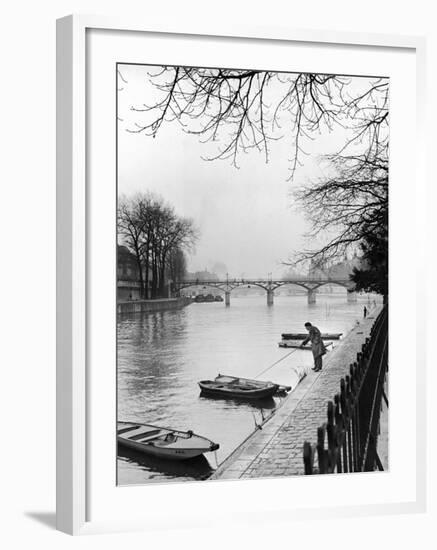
(295, 339)
(163, 442)
(227, 378)
(241, 388)
(298, 343)
(303, 335)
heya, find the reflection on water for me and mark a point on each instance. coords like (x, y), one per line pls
(234, 403)
(137, 467)
(162, 356)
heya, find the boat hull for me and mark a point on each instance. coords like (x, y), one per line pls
(298, 344)
(179, 454)
(302, 336)
(281, 389)
(209, 387)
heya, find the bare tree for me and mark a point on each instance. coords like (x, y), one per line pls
(131, 225)
(242, 110)
(248, 109)
(347, 206)
(172, 233)
(152, 231)
(177, 265)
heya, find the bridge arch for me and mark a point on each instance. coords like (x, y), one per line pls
(259, 285)
(347, 286)
(288, 283)
(183, 286)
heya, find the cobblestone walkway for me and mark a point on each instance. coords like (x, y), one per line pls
(277, 449)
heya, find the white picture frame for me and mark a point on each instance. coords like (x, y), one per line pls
(73, 211)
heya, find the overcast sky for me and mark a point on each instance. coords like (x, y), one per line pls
(246, 216)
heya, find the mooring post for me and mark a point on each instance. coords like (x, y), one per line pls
(311, 296)
(270, 294)
(227, 298)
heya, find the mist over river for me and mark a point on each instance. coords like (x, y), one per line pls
(162, 356)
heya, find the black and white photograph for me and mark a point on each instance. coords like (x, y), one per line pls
(252, 273)
(218, 311)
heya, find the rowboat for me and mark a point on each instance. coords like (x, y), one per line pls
(241, 388)
(302, 335)
(298, 343)
(225, 378)
(163, 442)
(295, 339)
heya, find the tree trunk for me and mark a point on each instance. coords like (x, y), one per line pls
(147, 265)
(162, 276)
(140, 273)
(162, 281)
(154, 277)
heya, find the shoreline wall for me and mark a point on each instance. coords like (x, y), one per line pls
(151, 306)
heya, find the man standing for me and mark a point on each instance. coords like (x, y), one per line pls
(317, 345)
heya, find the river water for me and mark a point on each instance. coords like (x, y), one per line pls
(162, 356)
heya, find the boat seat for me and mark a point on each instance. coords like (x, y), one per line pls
(145, 435)
(129, 429)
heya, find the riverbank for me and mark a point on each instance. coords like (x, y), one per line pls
(198, 342)
(277, 449)
(151, 306)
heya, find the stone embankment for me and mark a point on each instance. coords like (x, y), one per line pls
(147, 306)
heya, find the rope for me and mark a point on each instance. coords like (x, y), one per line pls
(276, 362)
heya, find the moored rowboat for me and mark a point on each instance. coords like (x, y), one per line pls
(298, 343)
(302, 336)
(227, 379)
(241, 388)
(295, 339)
(163, 442)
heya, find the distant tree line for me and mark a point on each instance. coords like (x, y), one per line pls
(157, 237)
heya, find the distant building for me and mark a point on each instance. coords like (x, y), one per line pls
(128, 275)
(340, 270)
(316, 271)
(201, 276)
(127, 267)
(343, 270)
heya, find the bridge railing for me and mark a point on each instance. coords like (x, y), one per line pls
(347, 442)
(244, 281)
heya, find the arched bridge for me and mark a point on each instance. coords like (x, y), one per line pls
(310, 284)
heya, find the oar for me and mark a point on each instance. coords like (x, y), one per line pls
(276, 362)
